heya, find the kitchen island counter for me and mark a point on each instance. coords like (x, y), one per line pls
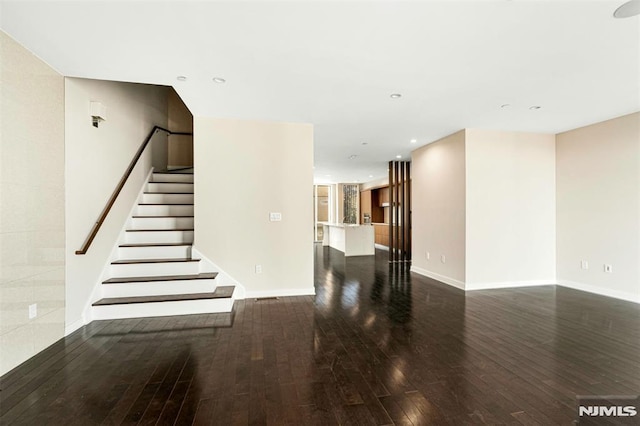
(352, 240)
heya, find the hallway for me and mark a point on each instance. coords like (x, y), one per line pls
(377, 346)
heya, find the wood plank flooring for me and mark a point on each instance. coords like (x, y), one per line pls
(375, 346)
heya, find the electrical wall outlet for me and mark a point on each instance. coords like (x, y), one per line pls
(443, 259)
(584, 264)
(608, 268)
(33, 311)
(275, 217)
(258, 269)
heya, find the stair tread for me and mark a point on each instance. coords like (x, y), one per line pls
(201, 276)
(167, 181)
(172, 173)
(220, 293)
(155, 245)
(159, 230)
(168, 193)
(168, 260)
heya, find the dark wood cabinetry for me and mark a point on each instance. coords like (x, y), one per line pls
(374, 202)
(382, 234)
(379, 201)
(383, 196)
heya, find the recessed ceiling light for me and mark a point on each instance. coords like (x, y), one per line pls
(396, 95)
(219, 80)
(398, 156)
(365, 143)
(181, 78)
(353, 157)
(505, 105)
(535, 107)
(414, 140)
(370, 176)
(627, 10)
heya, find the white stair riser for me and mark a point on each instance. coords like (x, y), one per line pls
(158, 288)
(137, 310)
(158, 252)
(171, 177)
(154, 269)
(167, 198)
(170, 187)
(159, 237)
(162, 223)
(164, 210)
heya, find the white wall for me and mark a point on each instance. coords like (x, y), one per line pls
(32, 211)
(510, 209)
(598, 215)
(96, 159)
(438, 209)
(243, 171)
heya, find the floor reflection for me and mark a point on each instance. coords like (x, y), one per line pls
(410, 368)
(343, 283)
(377, 345)
(399, 293)
(433, 354)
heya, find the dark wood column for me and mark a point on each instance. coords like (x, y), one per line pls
(400, 211)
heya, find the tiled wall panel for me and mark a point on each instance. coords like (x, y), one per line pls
(32, 258)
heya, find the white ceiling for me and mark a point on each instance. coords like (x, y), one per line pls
(334, 64)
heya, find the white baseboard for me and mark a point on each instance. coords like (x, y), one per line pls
(281, 293)
(629, 297)
(507, 284)
(70, 328)
(479, 286)
(447, 280)
(381, 247)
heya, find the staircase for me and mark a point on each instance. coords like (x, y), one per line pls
(154, 273)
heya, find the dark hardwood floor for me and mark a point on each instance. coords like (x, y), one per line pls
(375, 346)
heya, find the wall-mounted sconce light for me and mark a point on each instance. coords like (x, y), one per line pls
(98, 113)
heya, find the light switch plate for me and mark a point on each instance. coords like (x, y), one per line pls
(33, 311)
